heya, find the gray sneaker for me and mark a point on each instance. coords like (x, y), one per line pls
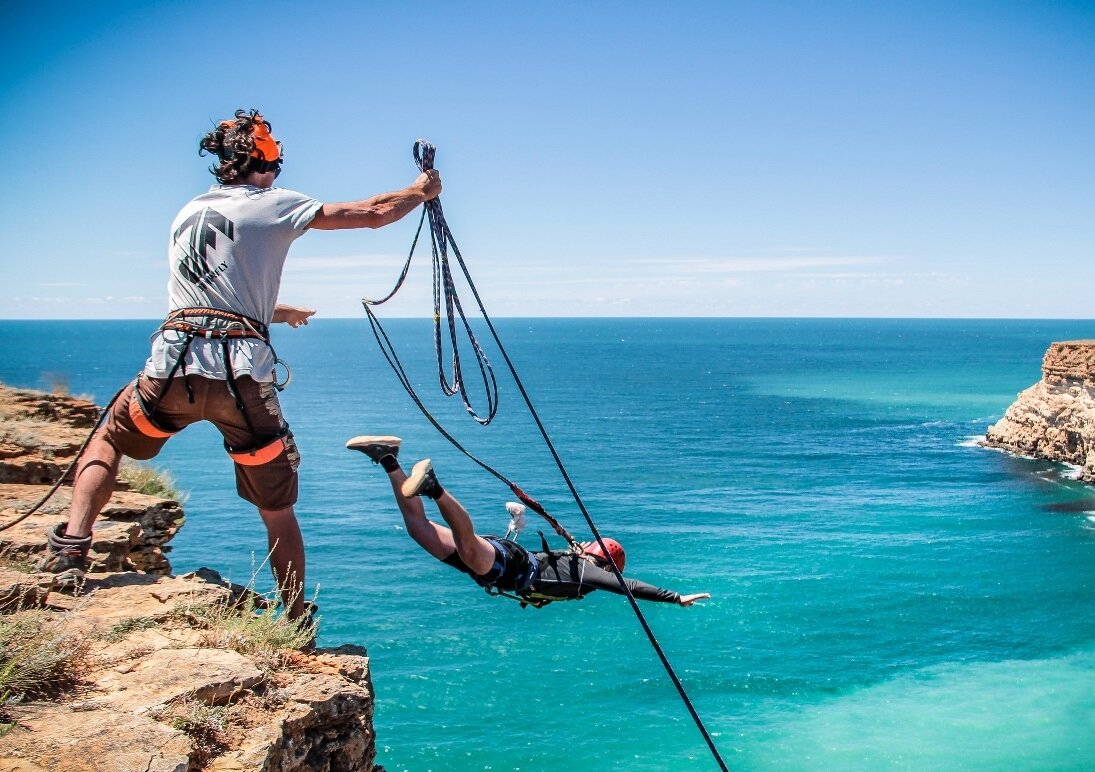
(375, 447)
(66, 557)
(422, 481)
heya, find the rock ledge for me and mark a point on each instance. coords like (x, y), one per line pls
(156, 689)
(1055, 418)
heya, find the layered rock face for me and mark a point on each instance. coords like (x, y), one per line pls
(155, 696)
(40, 435)
(1055, 418)
(165, 680)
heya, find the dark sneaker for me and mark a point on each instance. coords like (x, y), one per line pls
(375, 447)
(422, 481)
(66, 557)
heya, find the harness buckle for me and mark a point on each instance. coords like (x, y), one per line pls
(282, 385)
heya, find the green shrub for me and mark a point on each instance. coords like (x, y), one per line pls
(143, 478)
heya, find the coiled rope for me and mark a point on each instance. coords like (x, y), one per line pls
(440, 240)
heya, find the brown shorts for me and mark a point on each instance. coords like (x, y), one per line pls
(268, 484)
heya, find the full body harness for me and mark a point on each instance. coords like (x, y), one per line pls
(523, 592)
(212, 324)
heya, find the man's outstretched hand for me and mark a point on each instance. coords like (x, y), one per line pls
(688, 600)
(294, 316)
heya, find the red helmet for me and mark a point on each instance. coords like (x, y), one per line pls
(615, 550)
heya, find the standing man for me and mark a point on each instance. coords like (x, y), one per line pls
(211, 359)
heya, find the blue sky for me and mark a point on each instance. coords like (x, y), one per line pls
(600, 159)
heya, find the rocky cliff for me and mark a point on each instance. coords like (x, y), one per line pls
(1055, 418)
(150, 672)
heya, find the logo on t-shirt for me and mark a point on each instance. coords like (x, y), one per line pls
(195, 263)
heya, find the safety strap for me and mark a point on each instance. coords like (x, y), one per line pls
(142, 419)
(263, 454)
(215, 323)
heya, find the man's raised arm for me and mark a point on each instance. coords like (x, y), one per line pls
(381, 210)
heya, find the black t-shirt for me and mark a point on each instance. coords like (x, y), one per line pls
(562, 575)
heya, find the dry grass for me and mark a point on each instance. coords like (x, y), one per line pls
(127, 626)
(22, 430)
(150, 480)
(11, 560)
(252, 625)
(205, 724)
(37, 656)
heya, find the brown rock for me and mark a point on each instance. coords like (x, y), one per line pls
(153, 696)
(20, 591)
(1055, 418)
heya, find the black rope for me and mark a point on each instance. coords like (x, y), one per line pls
(69, 468)
(441, 239)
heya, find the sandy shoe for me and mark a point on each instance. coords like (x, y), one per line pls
(422, 481)
(375, 447)
(66, 558)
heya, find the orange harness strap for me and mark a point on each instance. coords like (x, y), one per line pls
(258, 456)
(141, 420)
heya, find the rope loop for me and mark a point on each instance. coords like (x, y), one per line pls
(443, 285)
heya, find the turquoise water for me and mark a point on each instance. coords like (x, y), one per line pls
(885, 594)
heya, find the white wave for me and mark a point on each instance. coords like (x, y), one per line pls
(1072, 471)
(973, 442)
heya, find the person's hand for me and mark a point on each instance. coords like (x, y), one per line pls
(294, 316)
(429, 183)
(688, 600)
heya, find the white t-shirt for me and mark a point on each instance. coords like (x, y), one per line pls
(227, 251)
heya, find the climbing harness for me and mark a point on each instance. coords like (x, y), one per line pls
(441, 240)
(224, 326)
(191, 323)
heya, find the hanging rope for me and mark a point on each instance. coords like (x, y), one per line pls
(440, 239)
(69, 468)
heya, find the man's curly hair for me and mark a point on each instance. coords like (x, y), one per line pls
(232, 142)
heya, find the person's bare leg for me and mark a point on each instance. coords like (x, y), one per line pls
(93, 487)
(286, 557)
(435, 539)
(474, 550)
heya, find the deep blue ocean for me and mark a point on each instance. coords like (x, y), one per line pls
(885, 594)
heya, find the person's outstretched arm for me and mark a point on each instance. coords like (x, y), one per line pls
(688, 600)
(378, 211)
(294, 316)
(606, 580)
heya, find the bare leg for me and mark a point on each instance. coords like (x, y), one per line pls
(93, 487)
(286, 557)
(474, 550)
(435, 539)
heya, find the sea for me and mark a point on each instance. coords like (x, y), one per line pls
(885, 594)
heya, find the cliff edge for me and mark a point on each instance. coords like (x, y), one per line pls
(1055, 418)
(143, 670)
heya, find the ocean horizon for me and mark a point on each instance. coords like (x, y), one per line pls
(886, 594)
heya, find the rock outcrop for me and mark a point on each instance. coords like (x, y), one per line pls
(165, 678)
(1055, 418)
